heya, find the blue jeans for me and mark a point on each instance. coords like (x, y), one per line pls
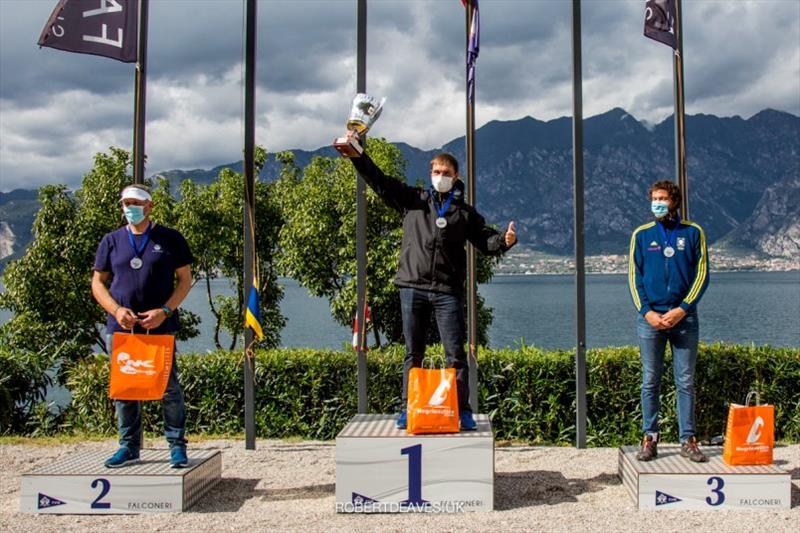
(416, 306)
(129, 413)
(683, 339)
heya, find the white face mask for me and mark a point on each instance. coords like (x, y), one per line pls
(442, 183)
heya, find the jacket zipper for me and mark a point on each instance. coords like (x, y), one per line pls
(435, 248)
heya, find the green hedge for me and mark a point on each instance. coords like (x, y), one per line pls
(528, 392)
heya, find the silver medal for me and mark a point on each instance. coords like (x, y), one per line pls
(669, 251)
(441, 222)
(136, 263)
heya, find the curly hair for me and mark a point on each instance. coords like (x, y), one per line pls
(672, 189)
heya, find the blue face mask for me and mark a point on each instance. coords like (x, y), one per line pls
(660, 208)
(133, 213)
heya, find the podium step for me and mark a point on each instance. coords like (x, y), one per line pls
(383, 469)
(673, 482)
(81, 484)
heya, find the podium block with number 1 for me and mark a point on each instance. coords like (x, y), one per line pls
(383, 469)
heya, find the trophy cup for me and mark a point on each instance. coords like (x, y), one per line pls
(363, 114)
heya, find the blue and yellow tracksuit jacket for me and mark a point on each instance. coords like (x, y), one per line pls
(660, 283)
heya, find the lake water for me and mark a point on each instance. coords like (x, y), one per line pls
(738, 307)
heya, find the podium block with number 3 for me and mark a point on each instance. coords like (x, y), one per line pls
(673, 482)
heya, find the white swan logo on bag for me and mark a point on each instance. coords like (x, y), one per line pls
(440, 394)
(755, 431)
(133, 366)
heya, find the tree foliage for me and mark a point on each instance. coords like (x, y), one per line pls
(210, 218)
(318, 239)
(49, 288)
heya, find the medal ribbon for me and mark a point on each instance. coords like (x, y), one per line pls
(442, 210)
(668, 240)
(145, 238)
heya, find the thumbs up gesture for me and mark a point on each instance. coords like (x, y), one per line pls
(511, 234)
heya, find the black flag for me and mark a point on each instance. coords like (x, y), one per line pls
(659, 21)
(100, 27)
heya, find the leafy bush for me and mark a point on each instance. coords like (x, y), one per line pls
(528, 392)
(24, 379)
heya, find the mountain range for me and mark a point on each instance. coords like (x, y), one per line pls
(743, 175)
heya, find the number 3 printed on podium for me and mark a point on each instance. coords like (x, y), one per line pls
(717, 490)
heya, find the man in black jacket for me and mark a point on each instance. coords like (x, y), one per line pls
(431, 273)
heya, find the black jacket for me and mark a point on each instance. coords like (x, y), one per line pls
(432, 258)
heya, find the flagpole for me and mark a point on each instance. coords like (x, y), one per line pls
(472, 288)
(680, 133)
(249, 214)
(580, 273)
(361, 217)
(140, 89)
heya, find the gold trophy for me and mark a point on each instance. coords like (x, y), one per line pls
(363, 114)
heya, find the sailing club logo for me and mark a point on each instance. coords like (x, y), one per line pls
(662, 498)
(44, 501)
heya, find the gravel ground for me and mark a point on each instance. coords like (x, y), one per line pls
(290, 487)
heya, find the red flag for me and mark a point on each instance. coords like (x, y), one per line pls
(105, 28)
(367, 319)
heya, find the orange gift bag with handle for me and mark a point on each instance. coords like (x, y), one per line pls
(750, 435)
(432, 401)
(140, 366)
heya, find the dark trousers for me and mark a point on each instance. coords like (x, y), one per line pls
(416, 307)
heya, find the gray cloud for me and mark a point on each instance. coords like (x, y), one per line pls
(57, 109)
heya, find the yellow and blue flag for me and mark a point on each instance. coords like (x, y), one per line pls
(252, 315)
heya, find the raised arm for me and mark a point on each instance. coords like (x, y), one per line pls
(392, 191)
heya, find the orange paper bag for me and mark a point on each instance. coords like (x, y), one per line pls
(750, 435)
(140, 366)
(432, 401)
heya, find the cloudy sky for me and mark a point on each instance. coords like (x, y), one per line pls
(57, 109)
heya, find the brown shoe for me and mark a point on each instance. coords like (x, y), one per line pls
(690, 450)
(649, 449)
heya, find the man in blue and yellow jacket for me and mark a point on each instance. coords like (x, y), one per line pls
(668, 274)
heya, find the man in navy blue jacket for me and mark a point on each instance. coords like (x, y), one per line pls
(668, 274)
(148, 267)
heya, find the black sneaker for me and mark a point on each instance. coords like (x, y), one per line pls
(649, 449)
(690, 450)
